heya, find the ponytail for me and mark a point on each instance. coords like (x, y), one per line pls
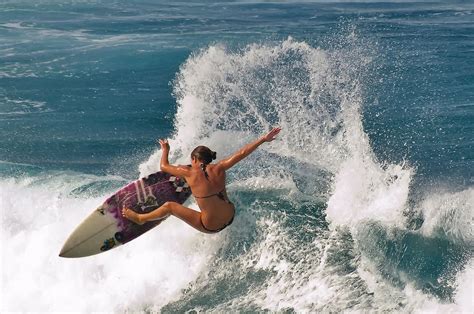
(203, 168)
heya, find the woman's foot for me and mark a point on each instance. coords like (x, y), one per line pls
(131, 215)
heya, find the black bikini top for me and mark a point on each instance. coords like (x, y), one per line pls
(220, 195)
(215, 194)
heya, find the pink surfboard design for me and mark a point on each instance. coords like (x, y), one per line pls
(105, 228)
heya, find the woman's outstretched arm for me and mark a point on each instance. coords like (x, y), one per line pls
(248, 149)
(179, 171)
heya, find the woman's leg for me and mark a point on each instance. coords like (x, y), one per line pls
(188, 215)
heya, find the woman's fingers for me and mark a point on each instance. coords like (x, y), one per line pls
(164, 144)
(272, 134)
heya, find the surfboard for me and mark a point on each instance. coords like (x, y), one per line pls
(105, 228)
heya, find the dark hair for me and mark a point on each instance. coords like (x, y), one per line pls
(204, 154)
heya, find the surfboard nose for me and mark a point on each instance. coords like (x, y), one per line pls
(93, 236)
(63, 252)
(78, 246)
(70, 249)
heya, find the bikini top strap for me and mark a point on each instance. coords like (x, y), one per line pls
(210, 195)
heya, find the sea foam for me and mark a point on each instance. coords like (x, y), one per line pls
(38, 213)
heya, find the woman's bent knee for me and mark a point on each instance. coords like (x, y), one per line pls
(168, 207)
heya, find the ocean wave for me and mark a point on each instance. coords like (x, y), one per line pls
(321, 222)
(228, 97)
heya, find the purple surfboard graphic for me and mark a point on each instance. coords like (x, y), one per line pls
(105, 228)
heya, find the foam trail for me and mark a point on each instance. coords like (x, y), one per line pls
(37, 215)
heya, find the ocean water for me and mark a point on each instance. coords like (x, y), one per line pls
(364, 203)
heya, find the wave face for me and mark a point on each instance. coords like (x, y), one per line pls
(323, 212)
(344, 212)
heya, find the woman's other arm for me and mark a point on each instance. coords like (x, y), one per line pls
(179, 171)
(248, 149)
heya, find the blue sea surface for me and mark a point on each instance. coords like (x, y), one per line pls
(365, 202)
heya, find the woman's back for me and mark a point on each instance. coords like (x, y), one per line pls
(202, 185)
(208, 187)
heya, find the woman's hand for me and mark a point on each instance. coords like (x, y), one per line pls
(165, 146)
(270, 136)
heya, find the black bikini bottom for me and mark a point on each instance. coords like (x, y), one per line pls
(217, 230)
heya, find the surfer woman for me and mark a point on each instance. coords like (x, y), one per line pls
(207, 182)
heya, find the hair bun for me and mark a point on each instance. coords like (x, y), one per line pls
(203, 154)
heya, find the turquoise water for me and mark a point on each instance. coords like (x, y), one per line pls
(364, 203)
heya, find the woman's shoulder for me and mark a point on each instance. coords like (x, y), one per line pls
(216, 167)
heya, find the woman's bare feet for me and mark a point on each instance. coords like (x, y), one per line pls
(131, 215)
